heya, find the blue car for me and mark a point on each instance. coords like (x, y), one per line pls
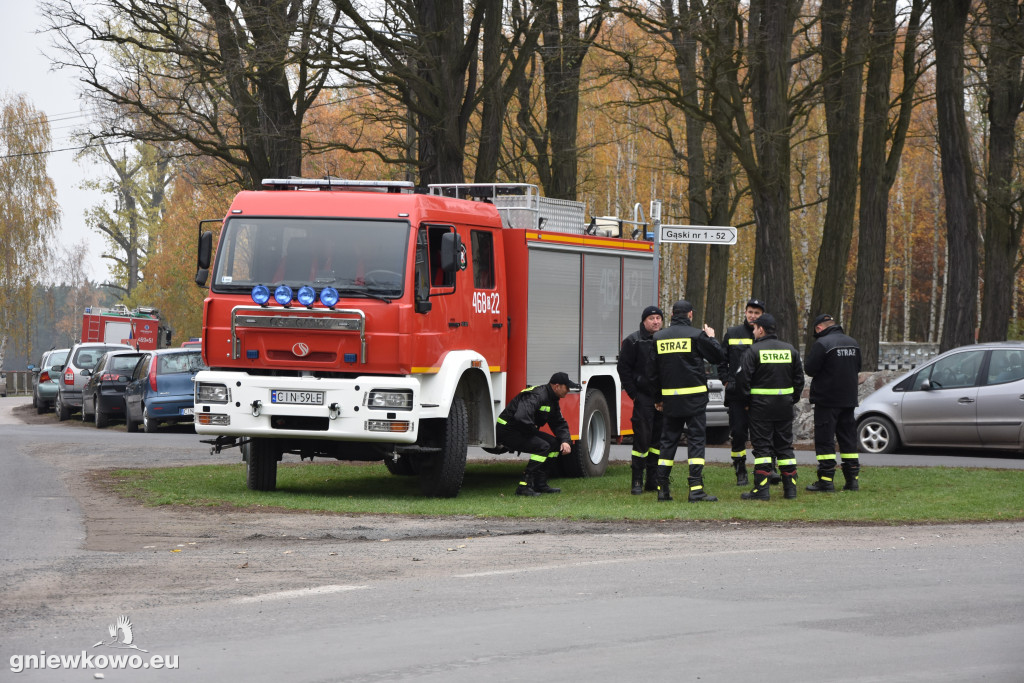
(161, 391)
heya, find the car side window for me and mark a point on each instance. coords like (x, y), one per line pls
(954, 372)
(1005, 365)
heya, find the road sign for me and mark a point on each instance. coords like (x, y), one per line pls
(699, 234)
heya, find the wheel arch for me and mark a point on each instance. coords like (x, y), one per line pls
(464, 374)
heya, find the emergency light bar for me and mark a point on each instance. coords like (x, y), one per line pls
(390, 186)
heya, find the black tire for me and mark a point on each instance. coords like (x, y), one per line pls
(85, 416)
(589, 456)
(148, 424)
(261, 456)
(63, 412)
(101, 418)
(441, 473)
(878, 435)
(41, 407)
(35, 401)
(400, 466)
(717, 435)
(130, 424)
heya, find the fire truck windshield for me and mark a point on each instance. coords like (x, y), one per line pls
(358, 257)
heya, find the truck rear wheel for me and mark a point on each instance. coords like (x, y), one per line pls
(589, 456)
(261, 457)
(441, 473)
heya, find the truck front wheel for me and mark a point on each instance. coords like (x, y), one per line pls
(589, 456)
(261, 456)
(441, 473)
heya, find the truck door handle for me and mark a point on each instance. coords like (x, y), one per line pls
(453, 324)
(498, 326)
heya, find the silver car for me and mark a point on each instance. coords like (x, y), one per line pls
(75, 373)
(970, 397)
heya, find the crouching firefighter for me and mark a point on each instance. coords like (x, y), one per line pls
(679, 381)
(519, 430)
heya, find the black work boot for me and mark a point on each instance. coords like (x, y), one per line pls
(651, 483)
(696, 481)
(525, 487)
(540, 482)
(851, 472)
(761, 490)
(775, 478)
(638, 464)
(826, 473)
(740, 466)
(662, 478)
(789, 484)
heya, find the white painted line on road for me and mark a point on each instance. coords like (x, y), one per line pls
(300, 593)
(595, 563)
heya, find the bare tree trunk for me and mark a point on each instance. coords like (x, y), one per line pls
(949, 18)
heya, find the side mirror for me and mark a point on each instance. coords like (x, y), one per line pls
(86, 373)
(203, 254)
(32, 368)
(926, 385)
(452, 257)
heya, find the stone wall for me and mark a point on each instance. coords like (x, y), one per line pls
(803, 422)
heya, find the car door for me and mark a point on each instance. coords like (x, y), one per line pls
(133, 392)
(1001, 399)
(940, 407)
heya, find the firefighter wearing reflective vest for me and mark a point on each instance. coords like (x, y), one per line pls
(736, 341)
(677, 377)
(771, 379)
(632, 366)
(834, 365)
(519, 426)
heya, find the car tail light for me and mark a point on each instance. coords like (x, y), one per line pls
(69, 377)
(152, 374)
(109, 377)
(44, 376)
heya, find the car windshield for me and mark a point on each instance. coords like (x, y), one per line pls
(173, 363)
(357, 257)
(57, 358)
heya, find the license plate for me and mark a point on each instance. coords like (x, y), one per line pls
(186, 411)
(714, 395)
(312, 398)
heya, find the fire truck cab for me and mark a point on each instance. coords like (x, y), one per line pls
(360, 320)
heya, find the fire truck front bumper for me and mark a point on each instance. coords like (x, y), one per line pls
(369, 408)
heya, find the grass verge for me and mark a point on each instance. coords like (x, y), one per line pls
(887, 495)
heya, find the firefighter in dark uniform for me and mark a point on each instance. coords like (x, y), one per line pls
(519, 430)
(834, 365)
(771, 378)
(677, 377)
(646, 421)
(736, 341)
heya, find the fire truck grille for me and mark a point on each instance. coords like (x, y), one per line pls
(300, 422)
(312, 357)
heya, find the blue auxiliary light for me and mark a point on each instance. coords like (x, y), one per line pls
(306, 295)
(261, 294)
(283, 295)
(329, 297)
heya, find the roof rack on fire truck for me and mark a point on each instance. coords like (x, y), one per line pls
(520, 205)
(332, 183)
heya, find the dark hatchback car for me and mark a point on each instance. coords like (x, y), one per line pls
(103, 393)
(161, 389)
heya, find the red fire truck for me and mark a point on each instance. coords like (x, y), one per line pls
(138, 327)
(363, 321)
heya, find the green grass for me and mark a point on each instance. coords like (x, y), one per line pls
(887, 495)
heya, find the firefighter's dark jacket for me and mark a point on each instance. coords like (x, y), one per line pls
(736, 341)
(534, 407)
(675, 369)
(634, 356)
(771, 378)
(834, 363)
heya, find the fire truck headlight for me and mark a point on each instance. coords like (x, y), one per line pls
(306, 295)
(283, 295)
(329, 297)
(390, 400)
(212, 393)
(261, 294)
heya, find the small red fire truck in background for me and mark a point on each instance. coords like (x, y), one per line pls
(138, 327)
(360, 320)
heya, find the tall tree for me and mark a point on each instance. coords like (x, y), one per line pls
(1004, 90)
(881, 151)
(29, 214)
(228, 80)
(949, 18)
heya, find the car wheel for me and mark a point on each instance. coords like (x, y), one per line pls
(877, 434)
(85, 414)
(40, 407)
(35, 401)
(148, 423)
(63, 412)
(130, 424)
(101, 418)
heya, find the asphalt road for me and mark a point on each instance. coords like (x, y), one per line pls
(289, 597)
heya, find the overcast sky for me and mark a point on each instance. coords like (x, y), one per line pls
(25, 70)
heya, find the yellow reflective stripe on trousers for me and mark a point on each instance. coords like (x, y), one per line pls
(762, 461)
(827, 456)
(502, 422)
(787, 461)
(695, 461)
(702, 389)
(740, 454)
(655, 451)
(638, 454)
(850, 456)
(771, 392)
(539, 458)
(666, 463)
